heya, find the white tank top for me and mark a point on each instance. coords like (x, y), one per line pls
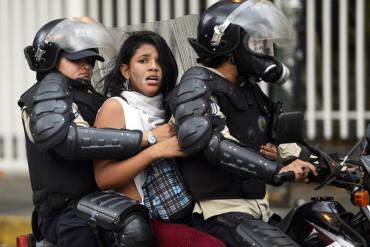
(133, 122)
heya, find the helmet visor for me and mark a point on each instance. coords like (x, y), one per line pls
(262, 20)
(81, 33)
(264, 47)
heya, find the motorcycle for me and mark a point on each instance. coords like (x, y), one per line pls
(324, 221)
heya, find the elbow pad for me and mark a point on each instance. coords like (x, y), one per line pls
(234, 158)
(96, 143)
(193, 111)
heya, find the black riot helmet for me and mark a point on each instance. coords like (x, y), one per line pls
(246, 31)
(74, 38)
(42, 56)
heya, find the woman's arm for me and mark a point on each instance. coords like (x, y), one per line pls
(112, 174)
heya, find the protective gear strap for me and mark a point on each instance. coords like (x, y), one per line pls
(236, 159)
(96, 143)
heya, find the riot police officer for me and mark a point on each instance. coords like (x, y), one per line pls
(57, 113)
(223, 118)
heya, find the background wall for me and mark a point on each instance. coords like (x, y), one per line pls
(330, 79)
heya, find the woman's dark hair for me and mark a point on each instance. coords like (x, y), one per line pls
(114, 83)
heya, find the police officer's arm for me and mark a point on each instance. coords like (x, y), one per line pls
(51, 126)
(193, 115)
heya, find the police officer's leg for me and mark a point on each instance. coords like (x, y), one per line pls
(73, 231)
(239, 229)
(47, 228)
(210, 226)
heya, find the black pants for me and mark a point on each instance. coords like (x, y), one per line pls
(65, 229)
(218, 229)
(237, 229)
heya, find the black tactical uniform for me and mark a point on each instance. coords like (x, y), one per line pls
(221, 167)
(247, 111)
(57, 112)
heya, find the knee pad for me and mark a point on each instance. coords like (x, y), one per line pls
(124, 219)
(134, 231)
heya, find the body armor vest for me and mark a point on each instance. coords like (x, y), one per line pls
(248, 121)
(53, 176)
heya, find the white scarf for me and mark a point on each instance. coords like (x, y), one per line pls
(148, 107)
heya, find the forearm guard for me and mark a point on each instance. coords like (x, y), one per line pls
(234, 158)
(96, 143)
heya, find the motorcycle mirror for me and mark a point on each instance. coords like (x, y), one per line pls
(289, 128)
(367, 140)
(365, 160)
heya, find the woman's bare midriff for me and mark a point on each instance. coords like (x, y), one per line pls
(130, 191)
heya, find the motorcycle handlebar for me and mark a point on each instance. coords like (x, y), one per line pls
(283, 177)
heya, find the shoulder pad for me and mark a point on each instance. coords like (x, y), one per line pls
(25, 99)
(49, 130)
(170, 100)
(196, 107)
(61, 106)
(50, 111)
(193, 84)
(194, 134)
(53, 86)
(49, 121)
(199, 81)
(200, 73)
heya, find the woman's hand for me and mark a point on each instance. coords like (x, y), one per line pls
(269, 151)
(300, 169)
(168, 148)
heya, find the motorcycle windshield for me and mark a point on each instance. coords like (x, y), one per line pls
(262, 20)
(80, 33)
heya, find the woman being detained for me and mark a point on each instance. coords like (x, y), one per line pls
(145, 72)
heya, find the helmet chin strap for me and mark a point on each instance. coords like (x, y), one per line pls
(81, 83)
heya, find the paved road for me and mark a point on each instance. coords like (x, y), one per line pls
(15, 196)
